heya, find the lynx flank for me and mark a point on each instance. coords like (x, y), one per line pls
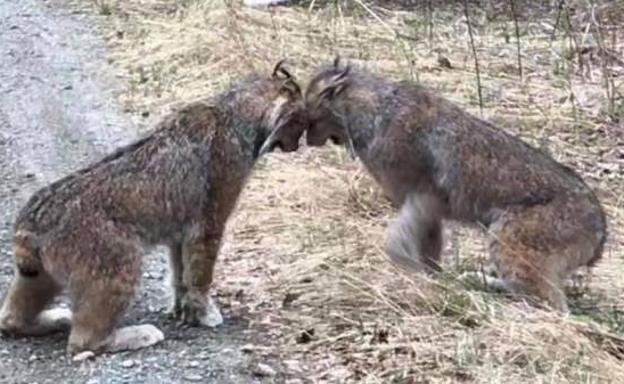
(438, 162)
(177, 186)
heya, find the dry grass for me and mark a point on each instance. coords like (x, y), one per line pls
(302, 260)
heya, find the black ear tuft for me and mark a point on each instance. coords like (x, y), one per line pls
(336, 84)
(337, 61)
(280, 70)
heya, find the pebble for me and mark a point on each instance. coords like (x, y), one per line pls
(203, 355)
(192, 364)
(264, 370)
(193, 377)
(128, 363)
(293, 365)
(248, 348)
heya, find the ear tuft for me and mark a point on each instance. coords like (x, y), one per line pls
(337, 61)
(336, 84)
(277, 68)
(291, 88)
(280, 70)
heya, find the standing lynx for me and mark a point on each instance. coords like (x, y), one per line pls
(439, 162)
(176, 186)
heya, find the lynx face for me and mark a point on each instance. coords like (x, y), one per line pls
(287, 118)
(325, 122)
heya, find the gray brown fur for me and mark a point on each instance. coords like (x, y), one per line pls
(176, 186)
(439, 162)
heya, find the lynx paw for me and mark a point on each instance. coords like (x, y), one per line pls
(134, 337)
(56, 319)
(198, 312)
(49, 321)
(213, 316)
(484, 280)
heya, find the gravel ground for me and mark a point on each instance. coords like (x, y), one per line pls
(57, 112)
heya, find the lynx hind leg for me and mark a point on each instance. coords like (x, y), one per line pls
(528, 266)
(23, 313)
(100, 292)
(199, 255)
(97, 313)
(415, 237)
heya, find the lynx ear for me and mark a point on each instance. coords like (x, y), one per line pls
(280, 72)
(289, 85)
(335, 84)
(291, 88)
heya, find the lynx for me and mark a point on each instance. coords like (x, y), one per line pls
(176, 186)
(438, 162)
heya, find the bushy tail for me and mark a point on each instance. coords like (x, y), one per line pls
(27, 255)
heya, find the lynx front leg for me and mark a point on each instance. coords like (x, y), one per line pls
(415, 237)
(199, 254)
(177, 268)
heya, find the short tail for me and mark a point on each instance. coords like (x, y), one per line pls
(27, 254)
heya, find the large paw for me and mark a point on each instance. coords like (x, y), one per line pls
(55, 319)
(134, 337)
(213, 316)
(484, 281)
(49, 321)
(199, 311)
(123, 339)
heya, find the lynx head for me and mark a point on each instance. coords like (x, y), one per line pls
(321, 94)
(286, 118)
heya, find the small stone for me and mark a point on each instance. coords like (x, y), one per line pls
(192, 364)
(247, 348)
(305, 336)
(193, 377)
(263, 370)
(444, 62)
(293, 365)
(128, 363)
(82, 356)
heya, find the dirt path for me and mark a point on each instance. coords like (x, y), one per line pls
(57, 112)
